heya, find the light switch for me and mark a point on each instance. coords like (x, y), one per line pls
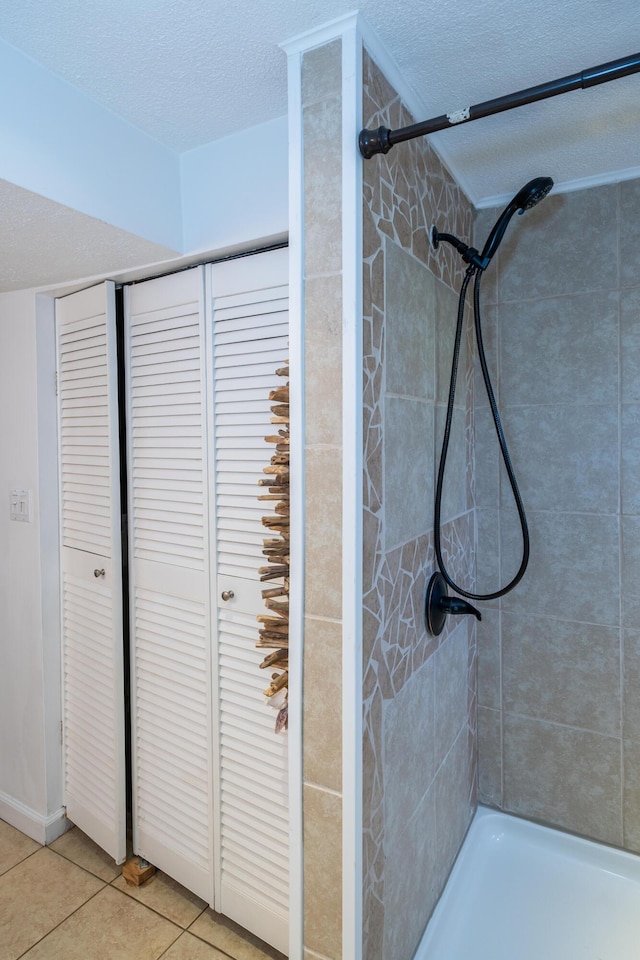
(21, 508)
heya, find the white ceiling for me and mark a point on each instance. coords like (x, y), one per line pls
(191, 72)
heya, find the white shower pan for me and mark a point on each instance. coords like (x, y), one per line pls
(519, 891)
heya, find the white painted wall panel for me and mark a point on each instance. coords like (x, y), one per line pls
(233, 195)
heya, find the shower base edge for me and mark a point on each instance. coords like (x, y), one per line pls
(522, 890)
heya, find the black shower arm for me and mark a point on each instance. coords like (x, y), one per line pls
(382, 139)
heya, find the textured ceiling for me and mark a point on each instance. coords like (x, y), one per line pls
(61, 237)
(191, 72)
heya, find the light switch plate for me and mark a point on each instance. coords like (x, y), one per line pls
(21, 508)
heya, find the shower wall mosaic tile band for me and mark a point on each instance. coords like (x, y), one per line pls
(419, 749)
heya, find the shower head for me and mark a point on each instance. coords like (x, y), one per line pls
(531, 194)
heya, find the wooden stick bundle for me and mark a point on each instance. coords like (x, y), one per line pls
(274, 625)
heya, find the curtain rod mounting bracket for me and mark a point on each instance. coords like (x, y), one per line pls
(374, 141)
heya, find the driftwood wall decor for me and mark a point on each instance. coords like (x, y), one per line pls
(274, 629)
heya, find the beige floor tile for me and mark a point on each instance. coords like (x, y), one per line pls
(111, 926)
(36, 895)
(76, 846)
(167, 897)
(14, 846)
(231, 938)
(187, 947)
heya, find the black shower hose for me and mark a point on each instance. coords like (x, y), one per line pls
(501, 439)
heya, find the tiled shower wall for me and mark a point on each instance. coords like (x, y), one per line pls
(559, 658)
(322, 718)
(419, 745)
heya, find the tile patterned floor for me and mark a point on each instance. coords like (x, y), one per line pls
(69, 901)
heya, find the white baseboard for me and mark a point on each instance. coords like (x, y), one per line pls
(40, 828)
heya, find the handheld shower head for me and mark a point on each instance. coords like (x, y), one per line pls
(531, 194)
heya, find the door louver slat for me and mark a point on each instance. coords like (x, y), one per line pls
(250, 340)
(93, 695)
(158, 337)
(171, 665)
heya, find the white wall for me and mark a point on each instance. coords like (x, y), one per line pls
(59, 143)
(28, 798)
(48, 500)
(235, 190)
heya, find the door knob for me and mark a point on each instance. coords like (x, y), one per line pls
(228, 594)
(98, 573)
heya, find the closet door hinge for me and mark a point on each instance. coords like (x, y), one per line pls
(61, 732)
(56, 383)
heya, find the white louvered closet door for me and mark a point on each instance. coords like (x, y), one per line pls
(93, 690)
(250, 341)
(169, 578)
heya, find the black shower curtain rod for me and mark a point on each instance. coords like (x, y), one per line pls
(382, 139)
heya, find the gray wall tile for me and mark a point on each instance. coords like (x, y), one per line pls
(573, 569)
(487, 453)
(557, 468)
(451, 686)
(630, 458)
(631, 684)
(411, 893)
(454, 808)
(560, 350)
(454, 486)
(562, 671)
(629, 232)
(632, 795)
(488, 552)
(490, 756)
(408, 472)
(564, 776)
(409, 750)
(544, 250)
(568, 353)
(446, 317)
(489, 668)
(631, 571)
(483, 222)
(490, 344)
(630, 343)
(410, 325)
